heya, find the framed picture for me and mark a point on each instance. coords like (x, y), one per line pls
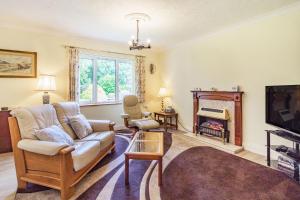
(20, 64)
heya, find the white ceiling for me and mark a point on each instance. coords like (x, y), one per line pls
(172, 20)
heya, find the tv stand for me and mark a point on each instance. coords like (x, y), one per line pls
(291, 153)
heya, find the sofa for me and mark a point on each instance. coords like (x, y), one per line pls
(54, 164)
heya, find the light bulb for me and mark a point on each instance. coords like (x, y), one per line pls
(148, 41)
(132, 37)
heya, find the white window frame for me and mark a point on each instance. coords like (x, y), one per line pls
(116, 60)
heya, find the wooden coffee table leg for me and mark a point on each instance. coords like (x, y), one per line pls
(126, 170)
(160, 171)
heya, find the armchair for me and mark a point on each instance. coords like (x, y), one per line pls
(134, 117)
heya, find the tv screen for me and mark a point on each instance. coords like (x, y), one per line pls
(283, 107)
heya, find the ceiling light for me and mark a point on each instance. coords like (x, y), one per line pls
(136, 43)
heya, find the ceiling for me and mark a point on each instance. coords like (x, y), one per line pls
(172, 20)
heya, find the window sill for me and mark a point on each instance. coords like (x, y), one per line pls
(100, 104)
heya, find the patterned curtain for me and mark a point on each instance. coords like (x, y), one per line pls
(73, 74)
(140, 78)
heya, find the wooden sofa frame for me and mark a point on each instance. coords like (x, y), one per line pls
(56, 171)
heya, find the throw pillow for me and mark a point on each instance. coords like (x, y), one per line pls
(54, 134)
(80, 125)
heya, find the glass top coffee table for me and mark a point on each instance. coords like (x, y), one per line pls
(145, 146)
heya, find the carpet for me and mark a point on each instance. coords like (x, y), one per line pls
(191, 171)
(207, 173)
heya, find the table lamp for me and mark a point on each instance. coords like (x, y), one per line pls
(162, 93)
(46, 83)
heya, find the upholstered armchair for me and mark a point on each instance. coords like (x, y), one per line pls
(133, 115)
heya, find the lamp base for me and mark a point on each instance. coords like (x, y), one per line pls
(162, 105)
(46, 98)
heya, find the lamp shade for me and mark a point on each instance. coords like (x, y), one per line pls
(46, 83)
(163, 92)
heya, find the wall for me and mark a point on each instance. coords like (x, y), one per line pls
(262, 52)
(53, 59)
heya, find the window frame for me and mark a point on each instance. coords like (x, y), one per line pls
(117, 60)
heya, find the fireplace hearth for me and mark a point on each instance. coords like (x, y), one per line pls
(213, 122)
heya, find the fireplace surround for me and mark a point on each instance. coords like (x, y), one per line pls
(235, 97)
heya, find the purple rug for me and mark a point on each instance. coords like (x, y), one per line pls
(204, 173)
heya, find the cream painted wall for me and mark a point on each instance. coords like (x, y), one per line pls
(53, 59)
(253, 55)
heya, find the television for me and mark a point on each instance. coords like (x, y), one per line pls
(283, 107)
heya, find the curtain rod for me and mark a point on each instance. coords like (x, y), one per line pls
(128, 54)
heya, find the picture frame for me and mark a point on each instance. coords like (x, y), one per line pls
(18, 64)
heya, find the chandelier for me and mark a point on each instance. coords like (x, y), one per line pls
(135, 43)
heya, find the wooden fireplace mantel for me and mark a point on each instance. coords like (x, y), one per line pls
(236, 97)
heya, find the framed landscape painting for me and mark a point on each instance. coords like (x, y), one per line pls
(20, 64)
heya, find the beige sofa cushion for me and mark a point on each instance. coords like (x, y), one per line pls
(84, 153)
(44, 115)
(106, 138)
(54, 134)
(88, 148)
(65, 110)
(80, 125)
(41, 147)
(26, 122)
(35, 118)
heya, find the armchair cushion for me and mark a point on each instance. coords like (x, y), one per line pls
(100, 125)
(54, 134)
(144, 124)
(146, 114)
(80, 125)
(41, 147)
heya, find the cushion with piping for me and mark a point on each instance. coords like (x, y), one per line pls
(80, 125)
(54, 134)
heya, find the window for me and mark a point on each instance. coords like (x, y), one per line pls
(105, 80)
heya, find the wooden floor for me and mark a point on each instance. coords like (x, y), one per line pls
(8, 182)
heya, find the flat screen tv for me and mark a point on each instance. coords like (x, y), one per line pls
(283, 107)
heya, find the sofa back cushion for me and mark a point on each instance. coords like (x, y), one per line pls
(64, 111)
(35, 118)
(27, 123)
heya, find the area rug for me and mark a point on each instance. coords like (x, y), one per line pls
(191, 171)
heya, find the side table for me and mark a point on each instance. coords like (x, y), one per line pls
(168, 119)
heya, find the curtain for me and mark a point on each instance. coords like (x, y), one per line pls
(73, 74)
(140, 78)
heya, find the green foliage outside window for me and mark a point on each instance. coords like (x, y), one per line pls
(105, 79)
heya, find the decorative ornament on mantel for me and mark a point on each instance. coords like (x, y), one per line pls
(135, 43)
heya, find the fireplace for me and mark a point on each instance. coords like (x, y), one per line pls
(213, 122)
(236, 133)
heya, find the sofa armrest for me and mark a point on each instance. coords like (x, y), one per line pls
(146, 114)
(41, 147)
(124, 116)
(102, 125)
